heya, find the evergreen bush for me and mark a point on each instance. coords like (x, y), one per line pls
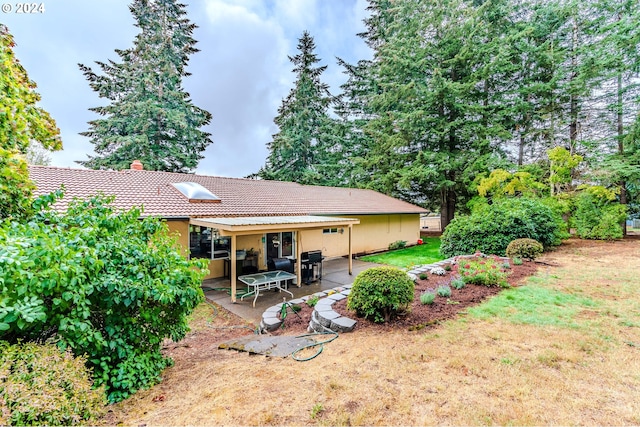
(490, 228)
(524, 248)
(380, 292)
(598, 215)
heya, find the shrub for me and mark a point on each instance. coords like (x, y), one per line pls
(427, 297)
(380, 292)
(424, 276)
(517, 261)
(524, 248)
(483, 271)
(41, 385)
(597, 214)
(490, 228)
(438, 271)
(101, 282)
(313, 300)
(458, 283)
(444, 291)
(398, 244)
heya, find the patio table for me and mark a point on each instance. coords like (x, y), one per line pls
(264, 281)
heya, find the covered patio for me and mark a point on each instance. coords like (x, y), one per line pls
(232, 227)
(336, 273)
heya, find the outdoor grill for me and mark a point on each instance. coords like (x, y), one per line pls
(311, 266)
(283, 264)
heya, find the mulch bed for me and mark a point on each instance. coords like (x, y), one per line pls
(419, 316)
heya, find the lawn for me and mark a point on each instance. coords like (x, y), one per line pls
(427, 253)
(561, 349)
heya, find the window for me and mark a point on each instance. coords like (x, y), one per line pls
(204, 243)
(330, 231)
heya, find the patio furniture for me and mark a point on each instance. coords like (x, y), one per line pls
(264, 281)
(311, 266)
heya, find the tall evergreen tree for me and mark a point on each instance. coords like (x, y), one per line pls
(300, 150)
(617, 32)
(21, 123)
(150, 117)
(435, 119)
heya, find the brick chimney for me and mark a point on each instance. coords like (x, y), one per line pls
(137, 165)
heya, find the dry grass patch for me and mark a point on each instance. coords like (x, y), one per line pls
(583, 368)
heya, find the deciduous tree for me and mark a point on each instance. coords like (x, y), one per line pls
(21, 122)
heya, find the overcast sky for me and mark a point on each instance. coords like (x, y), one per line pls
(240, 74)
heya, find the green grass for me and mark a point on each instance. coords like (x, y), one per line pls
(533, 305)
(426, 253)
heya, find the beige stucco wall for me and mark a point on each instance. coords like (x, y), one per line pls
(374, 233)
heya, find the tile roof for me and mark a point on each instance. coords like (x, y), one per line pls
(238, 197)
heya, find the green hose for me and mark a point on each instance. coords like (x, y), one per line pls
(319, 344)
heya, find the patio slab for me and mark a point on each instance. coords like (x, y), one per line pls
(335, 274)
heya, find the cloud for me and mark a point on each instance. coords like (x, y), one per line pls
(240, 75)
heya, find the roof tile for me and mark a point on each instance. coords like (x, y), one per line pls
(239, 197)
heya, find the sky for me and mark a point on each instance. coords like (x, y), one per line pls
(240, 75)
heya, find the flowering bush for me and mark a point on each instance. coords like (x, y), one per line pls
(482, 271)
(438, 271)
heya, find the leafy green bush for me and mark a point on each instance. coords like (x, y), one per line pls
(490, 228)
(517, 261)
(380, 292)
(424, 276)
(41, 385)
(598, 215)
(482, 271)
(427, 297)
(524, 248)
(398, 244)
(101, 282)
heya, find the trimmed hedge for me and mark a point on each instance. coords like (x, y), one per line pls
(380, 292)
(490, 228)
(525, 248)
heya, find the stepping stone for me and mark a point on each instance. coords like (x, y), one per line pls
(336, 297)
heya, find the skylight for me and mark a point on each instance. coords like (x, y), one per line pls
(195, 192)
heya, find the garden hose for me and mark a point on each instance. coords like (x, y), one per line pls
(319, 344)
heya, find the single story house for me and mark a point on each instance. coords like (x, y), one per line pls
(245, 225)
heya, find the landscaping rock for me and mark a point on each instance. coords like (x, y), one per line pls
(342, 324)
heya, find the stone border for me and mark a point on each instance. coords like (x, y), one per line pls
(324, 318)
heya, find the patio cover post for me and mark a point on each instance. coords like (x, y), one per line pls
(232, 267)
(350, 250)
(298, 258)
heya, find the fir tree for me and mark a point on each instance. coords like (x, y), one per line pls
(150, 117)
(299, 152)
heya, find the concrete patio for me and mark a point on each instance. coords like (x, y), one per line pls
(335, 274)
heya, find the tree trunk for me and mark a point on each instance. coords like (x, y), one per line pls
(447, 207)
(623, 185)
